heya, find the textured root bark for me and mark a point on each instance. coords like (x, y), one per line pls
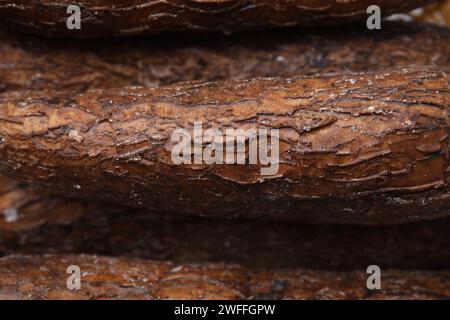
(116, 18)
(54, 225)
(88, 65)
(354, 148)
(31, 63)
(44, 277)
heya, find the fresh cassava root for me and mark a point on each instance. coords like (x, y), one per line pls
(31, 63)
(354, 148)
(56, 225)
(110, 278)
(115, 18)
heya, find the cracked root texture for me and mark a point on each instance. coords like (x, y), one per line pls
(130, 17)
(110, 278)
(32, 63)
(353, 147)
(88, 65)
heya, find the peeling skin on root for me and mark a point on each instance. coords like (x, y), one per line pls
(120, 18)
(31, 63)
(111, 278)
(351, 145)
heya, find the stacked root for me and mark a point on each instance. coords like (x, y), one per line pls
(85, 144)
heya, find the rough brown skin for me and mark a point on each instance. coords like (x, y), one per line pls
(61, 226)
(44, 277)
(118, 18)
(336, 285)
(354, 148)
(87, 65)
(32, 63)
(104, 64)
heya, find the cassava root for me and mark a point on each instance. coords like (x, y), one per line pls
(354, 148)
(56, 225)
(111, 278)
(32, 63)
(118, 18)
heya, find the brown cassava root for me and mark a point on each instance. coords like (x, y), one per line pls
(373, 142)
